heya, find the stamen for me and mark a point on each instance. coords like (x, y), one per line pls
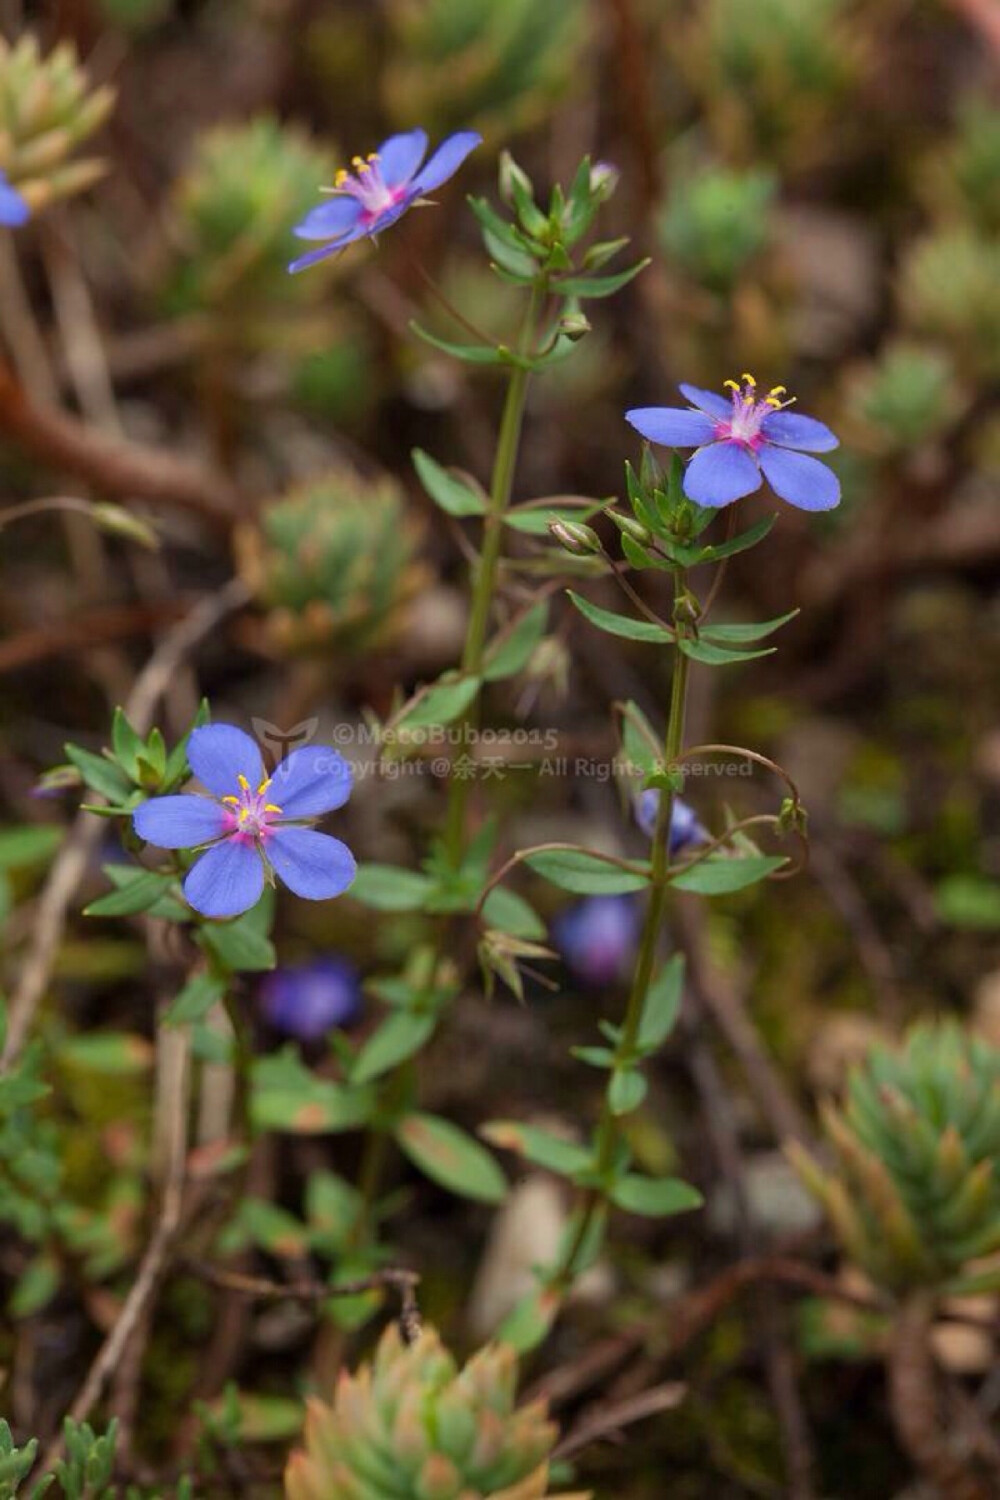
(359, 164)
(732, 386)
(773, 402)
(342, 176)
(243, 782)
(264, 785)
(234, 800)
(271, 807)
(748, 379)
(778, 390)
(374, 157)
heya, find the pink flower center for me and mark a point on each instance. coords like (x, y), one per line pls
(366, 185)
(250, 817)
(749, 411)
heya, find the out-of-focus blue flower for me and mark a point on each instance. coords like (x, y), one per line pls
(252, 820)
(380, 190)
(686, 830)
(14, 210)
(741, 441)
(597, 937)
(307, 1000)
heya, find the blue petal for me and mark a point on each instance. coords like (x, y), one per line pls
(329, 220)
(14, 211)
(390, 215)
(219, 754)
(179, 822)
(311, 864)
(800, 480)
(446, 160)
(312, 780)
(790, 430)
(719, 474)
(228, 879)
(710, 401)
(672, 425)
(333, 248)
(400, 156)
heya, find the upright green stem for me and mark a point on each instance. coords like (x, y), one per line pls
(485, 578)
(607, 1130)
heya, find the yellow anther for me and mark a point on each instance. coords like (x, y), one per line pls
(271, 807)
(243, 782)
(244, 813)
(748, 379)
(374, 157)
(778, 390)
(773, 401)
(342, 176)
(234, 800)
(264, 785)
(359, 164)
(732, 386)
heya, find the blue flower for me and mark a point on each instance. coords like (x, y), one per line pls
(741, 441)
(252, 822)
(14, 211)
(380, 190)
(597, 938)
(686, 831)
(307, 1000)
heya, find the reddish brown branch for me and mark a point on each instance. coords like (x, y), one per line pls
(94, 627)
(113, 466)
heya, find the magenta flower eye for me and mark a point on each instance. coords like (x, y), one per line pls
(379, 189)
(251, 824)
(741, 440)
(14, 210)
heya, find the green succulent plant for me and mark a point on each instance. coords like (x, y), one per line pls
(915, 1196)
(413, 1426)
(961, 180)
(333, 560)
(234, 206)
(476, 63)
(950, 289)
(716, 220)
(907, 396)
(47, 109)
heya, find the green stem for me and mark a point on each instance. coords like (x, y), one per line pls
(485, 578)
(606, 1139)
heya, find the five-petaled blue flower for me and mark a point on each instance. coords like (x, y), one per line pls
(741, 438)
(251, 822)
(14, 211)
(307, 1000)
(686, 829)
(380, 190)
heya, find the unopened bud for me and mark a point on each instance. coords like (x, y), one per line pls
(511, 174)
(631, 527)
(120, 522)
(581, 540)
(603, 180)
(575, 326)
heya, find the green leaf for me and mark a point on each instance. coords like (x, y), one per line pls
(196, 999)
(533, 520)
(622, 625)
(400, 1036)
(390, 888)
(273, 1228)
(506, 910)
(511, 652)
(29, 844)
(719, 875)
(626, 1091)
(662, 1005)
(595, 1057)
(470, 354)
(119, 1054)
(451, 494)
(749, 632)
(586, 874)
(717, 656)
(742, 543)
(654, 1198)
(639, 742)
(138, 890)
(440, 704)
(448, 1156)
(126, 744)
(239, 945)
(287, 1096)
(37, 1284)
(598, 286)
(538, 1146)
(529, 1321)
(100, 774)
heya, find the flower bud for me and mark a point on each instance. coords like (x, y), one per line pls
(581, 540)
(575, 326)
(603, 180)
(631, 527)
(510, 175)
